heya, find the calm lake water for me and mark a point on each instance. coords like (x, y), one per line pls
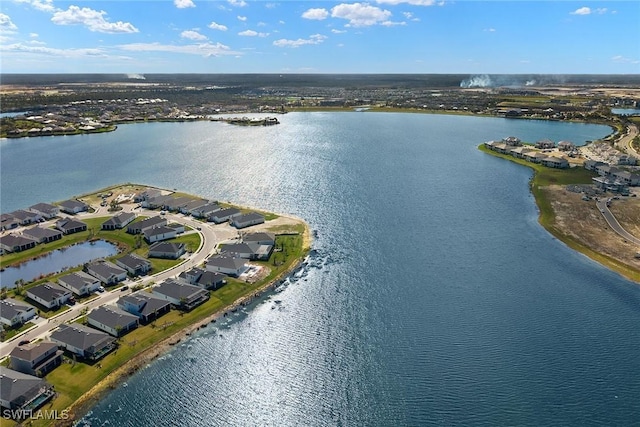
(57, 261)
(434, 296)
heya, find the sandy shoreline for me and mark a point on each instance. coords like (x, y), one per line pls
(82, 405)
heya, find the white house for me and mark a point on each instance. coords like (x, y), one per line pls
(49, 295)
(229, 265)
(112, 320)
(107, 272)
(80, 283)
(14, 312)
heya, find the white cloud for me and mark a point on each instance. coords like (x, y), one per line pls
(6, 25)
(314, 39)
(92, 19)
(64, 53)
(204, 49)
(251, 33)
(490, 30)
(215, 26)
(360, 14)
(237, 3)
(192, 35)
(582, 11)
(624, 60)
(34, 35)
(183, 4)
(411, 2)
(392, 23)
(41, 5)
(334, 31)
(316, 14)
(242, 18)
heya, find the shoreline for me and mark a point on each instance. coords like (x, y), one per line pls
(546, 219)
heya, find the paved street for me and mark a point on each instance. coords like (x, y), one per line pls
(613, 222)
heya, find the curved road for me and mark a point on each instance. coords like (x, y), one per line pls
(211, 235)
(613, 222)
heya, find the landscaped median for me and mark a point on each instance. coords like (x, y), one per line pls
(540, 184)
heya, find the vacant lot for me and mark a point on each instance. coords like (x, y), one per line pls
(583, 222)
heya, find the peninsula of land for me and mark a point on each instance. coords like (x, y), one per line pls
(182, 262)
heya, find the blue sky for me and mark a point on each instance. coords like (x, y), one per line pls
(377, 36)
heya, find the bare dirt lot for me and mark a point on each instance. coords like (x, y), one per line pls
(583, 221)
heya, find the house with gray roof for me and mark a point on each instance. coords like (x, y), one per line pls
(146, 306)
(49, 295)
(206, 210)
(247, 220)
(166, 250)
(139, 226)
(156, 201)
(8, 222)
(14, 312)
(73, 207)
(251, 251)
(42, 235)
(80, 283)
(46, 210)
(159, 233)
(555, 162)
(229, 265)
(181, 295)
(191, 276)
(224, 215)
(211, 280)
(193, 205)
(83, 341)
(261, 238)
(112, 320)
(16, 243)
(23, 392)
(26, 217)
(118, 221)
(134, 264)
(70, 226)
(36, 359)
(146, 194)
(107, 272)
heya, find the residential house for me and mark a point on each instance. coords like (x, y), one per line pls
(107, 272)
(46, 210)
(251, 251)
(555, 162)
(156, 201)
(36, 359)
(70, 225)
(178, 203)
(512, 141)
(83, 341)
(8, 222)
(211, 280)
(224, 215)
(545, 144)
(15, 313)
(118, 221)
(80, 283)
(112, 320)
(146, 194)
(22, 393)
(73, 207)
(519, 152)
(159, 233)
(535, 156)
(606, 170)
(42, 235)
(260, 238)
(247, 220)
(16, 243)
(180, 294)
(146, 306)
(49, 295)
(191, 276)
(229, 265)
(177, 227)
(134, 264)
(566, 146)
(166, 250)
(628, 178)
(206, 210)
(139, 226)
(193, 205)
(591, 165)
(26, 217)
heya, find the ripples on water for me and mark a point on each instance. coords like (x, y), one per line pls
(440, 299)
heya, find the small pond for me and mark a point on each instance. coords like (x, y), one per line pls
(57, 261)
